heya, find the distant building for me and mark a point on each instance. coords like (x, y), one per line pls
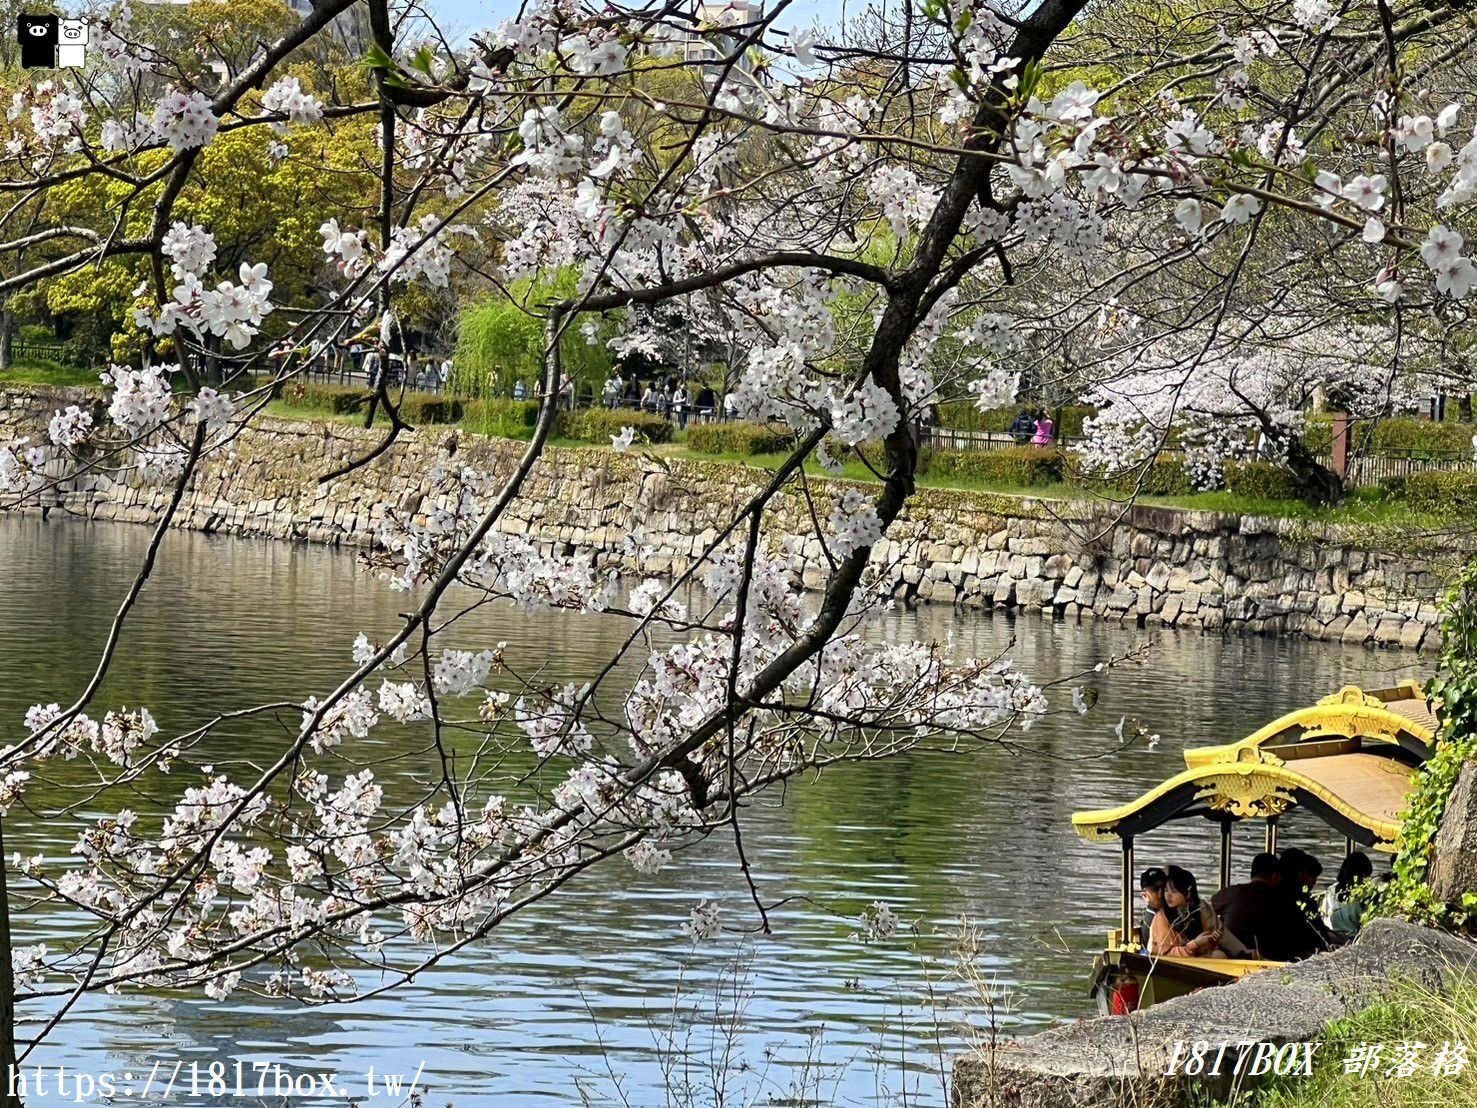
(350, 27)
(711, 47)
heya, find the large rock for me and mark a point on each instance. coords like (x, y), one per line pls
(1119, 1061)
(1454, 866)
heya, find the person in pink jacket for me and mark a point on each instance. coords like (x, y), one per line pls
(1185, 926)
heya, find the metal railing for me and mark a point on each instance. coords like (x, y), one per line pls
(63, 353)
(952, 438)
(427, 379)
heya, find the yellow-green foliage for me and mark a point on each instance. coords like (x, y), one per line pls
(963, 416)
(747, 439)
(1454, 691)
(1010, 466)
(600, 426)
(1164, 475)
(492, 415)
(1440, 494)
(1399, 434)
(328, 399)
(501, 340)
(1261, 481)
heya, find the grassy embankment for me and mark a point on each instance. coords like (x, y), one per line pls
(1362, 507)
(39, 371)
(1437, 1019)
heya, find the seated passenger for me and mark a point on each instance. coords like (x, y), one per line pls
(1343, 911)
(1306, 935)
(1151, 888)
(1256, 912)
(1186, 926)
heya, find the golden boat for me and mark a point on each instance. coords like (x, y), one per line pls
(1350, 760)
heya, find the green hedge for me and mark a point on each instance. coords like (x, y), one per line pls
(509, 419)
(601, 425)
(961, 415)
(1403, 434)
(1165, 476)
(747, 439)
(1020, 466)
(1262, 480)
(1440, 493)
(418, 408)
(334, 399)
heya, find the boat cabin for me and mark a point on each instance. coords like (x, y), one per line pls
(1350, 760)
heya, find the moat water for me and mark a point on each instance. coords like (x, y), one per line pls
(595, 995)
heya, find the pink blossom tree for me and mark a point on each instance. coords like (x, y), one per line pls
(928, 165)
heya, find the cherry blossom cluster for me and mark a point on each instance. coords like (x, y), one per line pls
(58, 118)
(288, 98)
(230, 310)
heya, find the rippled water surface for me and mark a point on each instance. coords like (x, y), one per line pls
(574, 998)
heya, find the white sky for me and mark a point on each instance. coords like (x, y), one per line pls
(462, 17)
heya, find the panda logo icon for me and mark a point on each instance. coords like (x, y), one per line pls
(39, 36)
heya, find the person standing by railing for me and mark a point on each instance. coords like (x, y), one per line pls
(1045, 429)
(1023, 426)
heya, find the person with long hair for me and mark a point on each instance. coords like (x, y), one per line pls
(1045, 429)
(1185, 926)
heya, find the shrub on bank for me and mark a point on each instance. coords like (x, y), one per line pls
(495, 415)
(1261, 481)
(418, 408)
(1439, 493)
(601, 425)
(746, 439)
(1400, 434)
(1019, 466)
(1165, 475)
(331, 399)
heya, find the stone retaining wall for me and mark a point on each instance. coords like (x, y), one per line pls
(1072, 559)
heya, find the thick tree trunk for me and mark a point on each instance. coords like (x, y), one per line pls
(7, 336)
(1316, 483)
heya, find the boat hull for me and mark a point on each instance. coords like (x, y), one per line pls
(1127, 980)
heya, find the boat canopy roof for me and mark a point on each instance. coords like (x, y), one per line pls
(1350, 759)
(1359, 794)
(1398, 717)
